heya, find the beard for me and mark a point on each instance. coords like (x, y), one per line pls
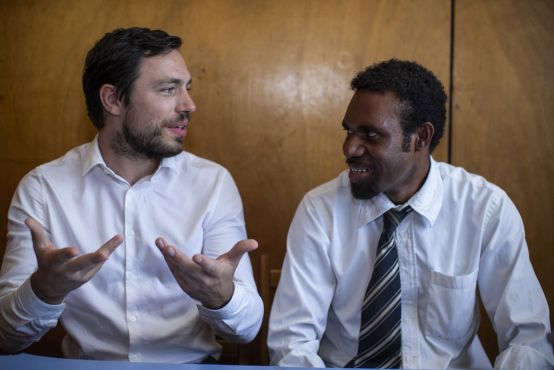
(148, 143)
(368, 187)
(364, 190)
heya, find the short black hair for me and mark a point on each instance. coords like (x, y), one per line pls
(419, 91)
(115, 60)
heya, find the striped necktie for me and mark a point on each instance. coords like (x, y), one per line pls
(380, 338)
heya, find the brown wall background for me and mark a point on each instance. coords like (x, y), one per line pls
(271, 83)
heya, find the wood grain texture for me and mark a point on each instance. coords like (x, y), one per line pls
(502, 116)
(270, 80)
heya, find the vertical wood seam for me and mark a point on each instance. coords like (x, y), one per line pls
(451, 82)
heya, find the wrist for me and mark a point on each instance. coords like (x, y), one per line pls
(216, 304)
(42, 294)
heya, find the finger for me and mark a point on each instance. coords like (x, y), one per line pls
(176, 260)
(239, 249)
(37, 233)
(207, 264)
(109, 247)
(90, 261)
(165, 248)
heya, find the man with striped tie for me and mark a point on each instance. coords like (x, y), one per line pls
(384, 262)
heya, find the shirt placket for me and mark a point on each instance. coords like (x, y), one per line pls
(132, 283)
(408, 278)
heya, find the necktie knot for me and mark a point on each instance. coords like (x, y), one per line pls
(394, 217)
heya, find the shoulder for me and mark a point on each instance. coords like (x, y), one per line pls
(470, 191)
(458, 181)
(328, 197)
(63, 167)
(330, 190)
(196, 174)
(189, 164)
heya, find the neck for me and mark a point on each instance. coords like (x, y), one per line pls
(418, 175)
(131, 168)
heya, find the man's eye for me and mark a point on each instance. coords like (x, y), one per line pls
(168, 90)
(348, 131)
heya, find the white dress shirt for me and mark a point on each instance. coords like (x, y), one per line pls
(464, 234)
(132, 309)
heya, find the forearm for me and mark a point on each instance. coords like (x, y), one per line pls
(24, 319)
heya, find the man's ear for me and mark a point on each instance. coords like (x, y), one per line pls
(424, 135)
(109, 99)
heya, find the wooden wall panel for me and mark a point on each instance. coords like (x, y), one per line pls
(502, 116)
(271, 83)
(272, 88)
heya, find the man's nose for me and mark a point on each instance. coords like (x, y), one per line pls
(353, 146)
(186, 104)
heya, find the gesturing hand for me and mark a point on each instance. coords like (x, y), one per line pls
(203, 278)
(62, 270)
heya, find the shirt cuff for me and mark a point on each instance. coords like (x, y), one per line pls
(33, 306)
(228, 311)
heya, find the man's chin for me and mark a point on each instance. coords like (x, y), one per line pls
(364, 192)
(163, 152)
(169, 153)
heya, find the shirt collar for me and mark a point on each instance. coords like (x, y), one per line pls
(93, 158)
(170, 163)
(427, 201)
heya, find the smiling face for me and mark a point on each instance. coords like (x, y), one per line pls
(155, 121)
(380, 158)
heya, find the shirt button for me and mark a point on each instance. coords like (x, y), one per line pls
(132, 318)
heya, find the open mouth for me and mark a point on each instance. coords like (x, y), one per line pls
(357, 174)
(178, 130)
(358, 171)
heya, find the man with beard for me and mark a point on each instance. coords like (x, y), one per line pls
(383, 263)
(138, 247)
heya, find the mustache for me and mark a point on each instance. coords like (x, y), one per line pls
(354, 161)
(183, 115)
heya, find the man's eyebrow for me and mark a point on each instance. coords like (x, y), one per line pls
(175, 81)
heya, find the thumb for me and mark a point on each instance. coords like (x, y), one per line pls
(238, 250)
(37, 233)
(232, 257)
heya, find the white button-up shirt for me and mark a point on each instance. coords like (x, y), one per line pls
(132, 309)
(464, 234)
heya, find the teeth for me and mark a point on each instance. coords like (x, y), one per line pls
(358, 171)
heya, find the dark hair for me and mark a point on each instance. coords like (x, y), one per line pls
(420, 92)
(115, 60)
